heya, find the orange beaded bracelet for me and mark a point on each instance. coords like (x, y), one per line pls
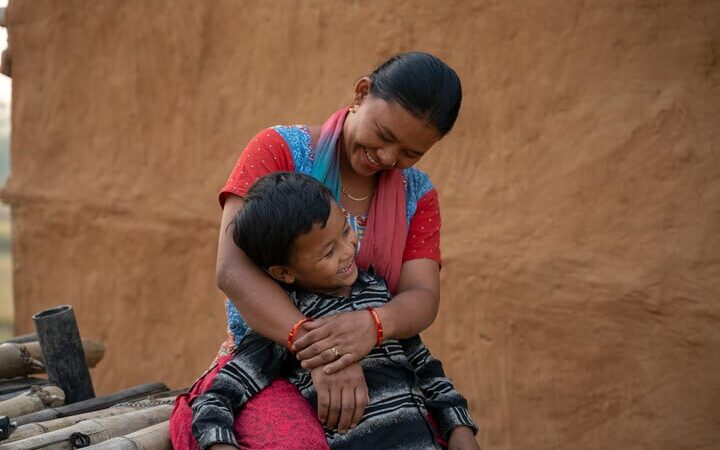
(293, 332)
(378, 325)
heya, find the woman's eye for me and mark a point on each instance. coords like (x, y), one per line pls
(412, 155)
(346, 230)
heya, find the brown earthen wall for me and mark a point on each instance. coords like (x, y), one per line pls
(580, 191)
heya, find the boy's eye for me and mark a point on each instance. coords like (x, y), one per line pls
(330, 252)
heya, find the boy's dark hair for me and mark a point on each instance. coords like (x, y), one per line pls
(278, 208)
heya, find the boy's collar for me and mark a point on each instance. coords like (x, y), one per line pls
(363, 280)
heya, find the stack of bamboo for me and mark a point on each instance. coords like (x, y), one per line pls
(130, 425)
(38, 413)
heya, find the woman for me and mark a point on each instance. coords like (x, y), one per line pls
(364, 154)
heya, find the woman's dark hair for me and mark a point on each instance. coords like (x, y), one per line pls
(278, 208)
(422, 84)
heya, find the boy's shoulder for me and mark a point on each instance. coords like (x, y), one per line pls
(370, 278)
(370, 287)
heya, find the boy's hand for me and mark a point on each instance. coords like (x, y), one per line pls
(222, 447)
(341, 397)
(352, 334)
(462, 438)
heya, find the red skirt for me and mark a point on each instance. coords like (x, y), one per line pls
(276, 418)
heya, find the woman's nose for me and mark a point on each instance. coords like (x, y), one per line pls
(387, 155)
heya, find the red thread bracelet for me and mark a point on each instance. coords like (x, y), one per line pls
(378, 325)
(293, 332)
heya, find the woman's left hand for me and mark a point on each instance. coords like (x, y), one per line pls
(352, 334)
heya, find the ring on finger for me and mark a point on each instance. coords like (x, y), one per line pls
(336, 353)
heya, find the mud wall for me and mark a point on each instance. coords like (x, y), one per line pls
(580, 191)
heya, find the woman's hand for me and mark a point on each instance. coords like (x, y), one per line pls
(341, 396)
(462, 438)
(352, 334)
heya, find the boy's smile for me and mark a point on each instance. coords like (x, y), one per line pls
(323, 260)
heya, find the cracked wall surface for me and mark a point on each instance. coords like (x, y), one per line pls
(580, 191)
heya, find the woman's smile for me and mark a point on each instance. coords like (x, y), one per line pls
(371, 162)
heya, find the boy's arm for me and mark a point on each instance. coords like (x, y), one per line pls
(255, 365)
(448, 406)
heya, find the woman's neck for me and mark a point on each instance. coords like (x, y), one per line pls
(357, 191)
(356, 185)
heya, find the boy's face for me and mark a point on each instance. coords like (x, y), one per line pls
(323, 260)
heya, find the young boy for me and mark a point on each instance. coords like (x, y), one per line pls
(292, 228)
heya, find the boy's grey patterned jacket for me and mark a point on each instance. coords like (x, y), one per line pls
(404, 383)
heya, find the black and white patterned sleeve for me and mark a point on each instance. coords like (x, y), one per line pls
(448, 406)
(255, 365)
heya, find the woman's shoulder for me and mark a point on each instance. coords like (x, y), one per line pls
(293, 133)
(300, 143)
(417, 183)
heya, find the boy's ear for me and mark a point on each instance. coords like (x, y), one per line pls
(282, 274)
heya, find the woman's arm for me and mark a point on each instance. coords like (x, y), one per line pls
(354, 334)
(261, 301)
(416, 305)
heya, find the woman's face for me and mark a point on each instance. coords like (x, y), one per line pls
(381, 135)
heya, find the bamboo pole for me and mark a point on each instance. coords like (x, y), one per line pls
(34, 429)
(21, 339)
(93, 350)
(8, 387)
(93, 404)
(37, 398)
(156, 437)
(62, 351)
(20, 359)
(93, 431)
(15, 361)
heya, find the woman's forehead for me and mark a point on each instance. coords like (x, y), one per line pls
(393, 119)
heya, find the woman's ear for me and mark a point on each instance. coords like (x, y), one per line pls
(282, 274)
(361, 91)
